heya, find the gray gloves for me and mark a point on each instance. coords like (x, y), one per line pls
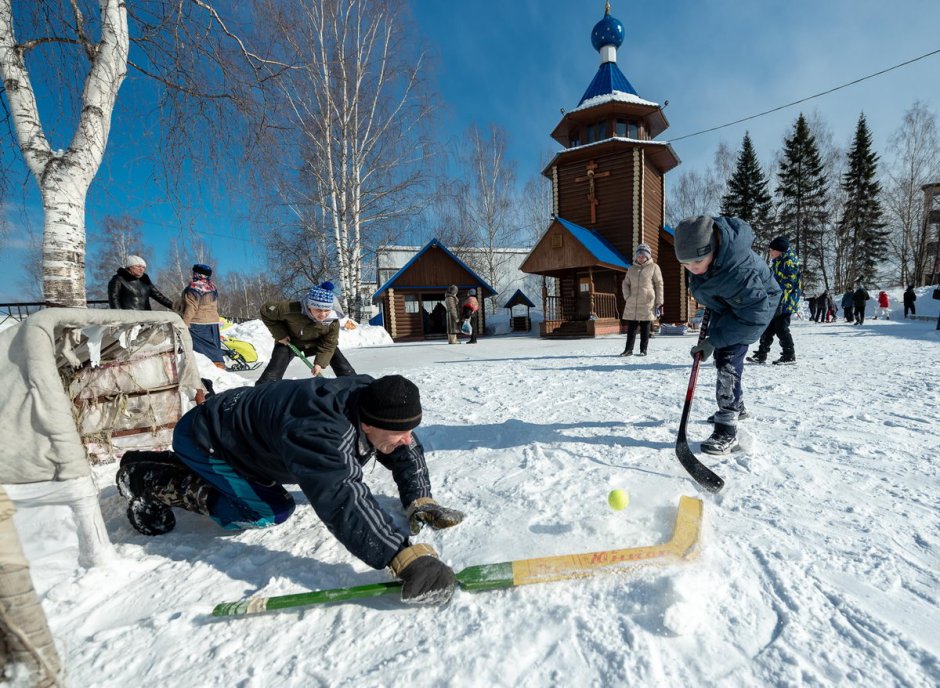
(427, 580)
(426, 510)
(706, 348)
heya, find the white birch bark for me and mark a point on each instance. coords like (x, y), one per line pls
(349, 109)
(64, 176)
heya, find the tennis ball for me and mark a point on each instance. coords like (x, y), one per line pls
(618, 500)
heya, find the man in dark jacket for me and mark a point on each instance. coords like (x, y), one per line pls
(848, 306)
(742, 295)
(131, 289)
(909, 298)
(858, 302)
(233, 454)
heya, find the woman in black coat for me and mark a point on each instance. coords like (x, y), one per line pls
(131, 289)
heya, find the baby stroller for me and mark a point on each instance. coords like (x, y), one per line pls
(241, 355)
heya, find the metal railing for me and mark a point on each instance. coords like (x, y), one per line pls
(21, 310)
(560, 308)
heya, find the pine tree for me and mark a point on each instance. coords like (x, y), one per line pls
(861, 228)
(748, 197)
(801, 213)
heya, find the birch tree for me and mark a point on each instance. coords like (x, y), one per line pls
(64, 176)
(490, 202)
(120, 237)
(355, 101)
(916, 145)
(81, 51)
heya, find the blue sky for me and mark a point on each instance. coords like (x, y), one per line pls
(515, 63)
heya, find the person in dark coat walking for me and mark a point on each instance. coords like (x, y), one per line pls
(233, 454)
(848, 306)
(909, 298)
(822, 307)
(131, 289)
(740, 292)
(859, 297)
(811, 302)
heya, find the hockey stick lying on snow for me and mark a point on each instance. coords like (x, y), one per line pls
(701, 473)
(682, 545)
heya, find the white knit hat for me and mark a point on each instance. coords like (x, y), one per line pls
(135, 260)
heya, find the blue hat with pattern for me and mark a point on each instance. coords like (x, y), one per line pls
(320, 297)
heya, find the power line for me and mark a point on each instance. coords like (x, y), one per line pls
(803, 100)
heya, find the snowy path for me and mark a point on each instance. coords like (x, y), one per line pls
(819, 563)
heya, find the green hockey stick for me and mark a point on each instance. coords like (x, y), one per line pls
(300, 354)
(682, 545)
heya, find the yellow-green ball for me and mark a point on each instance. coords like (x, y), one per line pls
(618, 500)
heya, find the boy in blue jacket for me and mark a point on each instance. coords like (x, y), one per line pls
(732, 281)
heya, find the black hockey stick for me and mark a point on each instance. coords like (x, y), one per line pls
(701, 473)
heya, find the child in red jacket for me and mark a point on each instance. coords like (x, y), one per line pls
(883, 310)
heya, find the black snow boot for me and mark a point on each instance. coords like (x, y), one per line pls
(757, 358)
(743, 414)
(786, 359)
(152, 482)
(723, 440)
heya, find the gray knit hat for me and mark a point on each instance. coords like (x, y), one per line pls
(695, 238)
(643, 248)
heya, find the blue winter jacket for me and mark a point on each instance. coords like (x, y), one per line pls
(738, 287)
(306, 432)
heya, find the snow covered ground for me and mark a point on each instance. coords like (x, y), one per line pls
(819, 561)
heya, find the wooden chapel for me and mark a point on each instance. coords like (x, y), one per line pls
(608, 196)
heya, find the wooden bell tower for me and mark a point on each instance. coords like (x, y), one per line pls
(608, 196)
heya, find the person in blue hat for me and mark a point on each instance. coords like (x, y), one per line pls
(312, 326)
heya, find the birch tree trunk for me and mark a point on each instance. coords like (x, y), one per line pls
(64, 176)
(354, 105)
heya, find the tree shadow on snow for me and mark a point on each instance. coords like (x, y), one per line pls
(517, 433)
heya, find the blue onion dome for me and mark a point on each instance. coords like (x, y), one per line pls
(608, 31)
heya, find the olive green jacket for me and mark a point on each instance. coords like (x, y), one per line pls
(287, 319)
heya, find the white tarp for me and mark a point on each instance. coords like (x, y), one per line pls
(75, 380)
(82, 384)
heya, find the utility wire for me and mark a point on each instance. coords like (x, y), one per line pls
(803, 100)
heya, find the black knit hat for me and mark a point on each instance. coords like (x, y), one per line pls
(780, 243)
(391, 403)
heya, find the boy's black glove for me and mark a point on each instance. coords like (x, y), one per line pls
(427, 580)
(706, 347)
(426, 510)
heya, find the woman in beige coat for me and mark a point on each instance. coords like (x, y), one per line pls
(643, 297)
(453, 318)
